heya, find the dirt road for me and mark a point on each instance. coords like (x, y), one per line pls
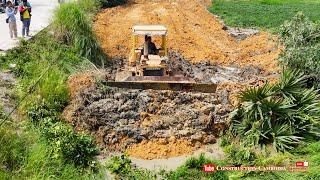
(193, 31)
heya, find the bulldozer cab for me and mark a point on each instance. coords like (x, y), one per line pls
(152, 71)
(141, 61)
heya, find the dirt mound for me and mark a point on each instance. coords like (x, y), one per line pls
(79, 82)
(193, 31)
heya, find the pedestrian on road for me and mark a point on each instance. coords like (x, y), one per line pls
(25, 17)
(10, 10)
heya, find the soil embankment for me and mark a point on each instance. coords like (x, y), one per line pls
(193, 31)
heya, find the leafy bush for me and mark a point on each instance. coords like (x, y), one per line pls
(301, 38)
(72, 26)
(120, 165)
(49, 96)
(72, 147)
(26, 155)
(239, 155)
(281, 114)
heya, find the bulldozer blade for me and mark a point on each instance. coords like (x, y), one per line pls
(172, 86)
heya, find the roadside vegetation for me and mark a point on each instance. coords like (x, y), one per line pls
(265, 14)
(44, 146)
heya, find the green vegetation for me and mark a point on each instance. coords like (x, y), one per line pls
(301, 38)
(307, 152)
(119, 165)
(25, 153)
(46, 147)
(71, 26)
(266, 14)
(66, 144)
(283, 114)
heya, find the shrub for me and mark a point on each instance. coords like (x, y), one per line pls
(75, 148)
(120, 165)
(282, 114)
(239, 155)
(301, 38)
(72, 147)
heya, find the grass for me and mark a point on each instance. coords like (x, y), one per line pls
(307, 152)
(264, 14)
(72, 26)
(46, 147)
(25, 154)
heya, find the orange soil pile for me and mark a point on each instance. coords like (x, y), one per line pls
(80, 81)
(161, 148)
(193, 31)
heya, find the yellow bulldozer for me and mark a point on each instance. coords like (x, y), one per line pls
(148, 66)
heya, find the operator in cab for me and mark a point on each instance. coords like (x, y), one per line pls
(152, 49)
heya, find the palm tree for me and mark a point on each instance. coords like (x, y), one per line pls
(281, 114)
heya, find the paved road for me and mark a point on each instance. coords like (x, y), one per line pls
(42, 11)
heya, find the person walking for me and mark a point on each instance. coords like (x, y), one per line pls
(11, 20)
(25, 17)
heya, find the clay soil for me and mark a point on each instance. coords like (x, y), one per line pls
(161, 148)
(193, 31)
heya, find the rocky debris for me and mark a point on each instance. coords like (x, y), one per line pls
(130, 116)
(241, 33)
(238, 33)
(207, 73)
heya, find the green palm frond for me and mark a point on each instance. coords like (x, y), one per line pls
(291, 83)
(257, 94)
(280, 114)
(284, 138)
